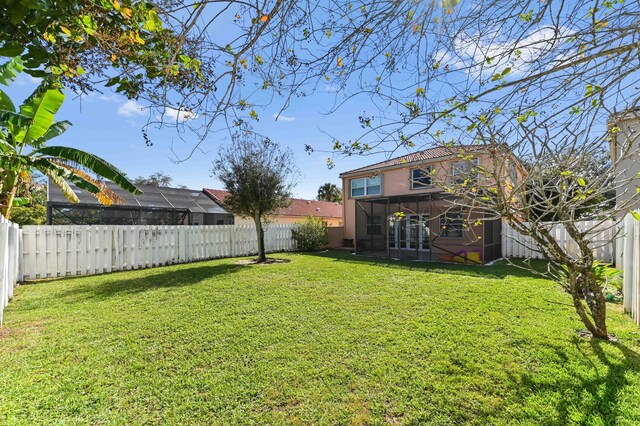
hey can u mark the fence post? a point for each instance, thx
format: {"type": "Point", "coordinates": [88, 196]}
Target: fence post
{"type": "Point", "coordinates": [636, 272]}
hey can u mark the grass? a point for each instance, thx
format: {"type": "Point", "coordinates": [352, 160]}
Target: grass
{"type": "Point", "coordinates": [322, 339]}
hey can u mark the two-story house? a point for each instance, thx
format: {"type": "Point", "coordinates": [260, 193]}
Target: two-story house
{"type": "Point", "coordinates": [395, 209]}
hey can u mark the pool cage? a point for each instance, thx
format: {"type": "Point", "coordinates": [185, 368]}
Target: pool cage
{"type": "Point", "coordinates": [425, 227]}
{"type": "Point", "coordinates": [155, 206]}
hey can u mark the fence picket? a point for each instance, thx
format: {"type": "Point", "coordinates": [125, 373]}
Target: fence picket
{"type": "Point", "coordinates": [521, 246]}
{"type": "Point", "coordinates": [58, 251]}
{"type": "Point", "coordinates": [10, 261]}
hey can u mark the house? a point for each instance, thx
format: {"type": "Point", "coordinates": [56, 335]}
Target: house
{"type": "Point", "coordinates": [625, 155]}
{"type": "Point", "coordinates": [297, 211]}
{"type": "Point", "coordinates": [394, 209]}
{"type": "Point", "coordinates": [157, 205]}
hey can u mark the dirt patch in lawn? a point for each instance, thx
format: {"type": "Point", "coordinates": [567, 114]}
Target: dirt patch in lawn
{"type": "Point", "coordinates": [269, 261]}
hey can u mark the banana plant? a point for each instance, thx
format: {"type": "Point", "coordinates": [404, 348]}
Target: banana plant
{"type": "Point", "coordinates": [24, 132]}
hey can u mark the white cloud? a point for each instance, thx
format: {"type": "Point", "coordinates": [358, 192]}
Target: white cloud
{"type": "Point", "coordinates": [469, 51]}
{"type": "Point", "coordinates": [179, 115]}
{"type": "Point", "coordinates": [110, 98]}
{"type": "Point", "coordinates": [282, 117]}
{"type": "Point", "coordinates": [330, 88]}
{"type": "Point", "coordinates": [131, 109]}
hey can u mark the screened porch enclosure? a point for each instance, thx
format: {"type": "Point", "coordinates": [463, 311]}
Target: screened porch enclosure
{"type": "Point", "coordinates": [155, 206]}
{"type": "Point", "coordinates": [424, 227]}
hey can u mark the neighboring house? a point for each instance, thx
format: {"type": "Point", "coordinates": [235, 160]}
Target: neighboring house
{"type": "Point", "coordinates": [156, 205]}
{"type": "Point", "coordinates": [297, 211]}
{"type": "Point", "coordinates": [626, 145]}
{"type": "Point", "coordinates": [393, 209]}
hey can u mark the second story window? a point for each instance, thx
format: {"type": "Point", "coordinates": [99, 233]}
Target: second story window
{"type": "Point", "coordinates": [366, 186]}
{"type": "Point", "coordinates": [465, 172]}
{"type": "Point", "coordinates": [422, 177]}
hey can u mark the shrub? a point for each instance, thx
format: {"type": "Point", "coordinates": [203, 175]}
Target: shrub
{"type": "Point", "coordinates": [312, 234]}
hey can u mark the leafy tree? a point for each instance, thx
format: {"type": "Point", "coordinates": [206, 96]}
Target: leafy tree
{"type": "Point", "coordinates": [330, 192]}
{"type": "Point", "coordinates": [23, 136]}
{"type": "Point", "coordinates": [30, 214]}
{"type": "Point", "coordinates": [259, 176]}
{"type": "Point", "coordinates": [156, 179]}
{"type": "Point", "coordinates": [84, 42]}
{"type": "Point", "coordinates": [34, 211]}
{"type": "Point", "coordinates": [552, 182]}
{"type": "Point", "coordinates": [567, 192]}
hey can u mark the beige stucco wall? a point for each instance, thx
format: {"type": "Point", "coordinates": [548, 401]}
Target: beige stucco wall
{"type": "Point", "coordinates": [336, 234]}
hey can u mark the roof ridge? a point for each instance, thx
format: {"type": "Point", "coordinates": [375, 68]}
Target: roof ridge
{"type": "Point", "coordinates": [422, 151]}
{"type": "Point", "coordinates": [292, 198]}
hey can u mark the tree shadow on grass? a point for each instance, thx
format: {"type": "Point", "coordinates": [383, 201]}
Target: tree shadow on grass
{"type": "Point", "coordinates": [592, 395]}
{"type": "Point", "coordinates": [149, 279]}
{"type": "Point", "coordinates": [496, 271]}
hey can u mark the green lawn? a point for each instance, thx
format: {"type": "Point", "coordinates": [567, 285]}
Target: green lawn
{"type": "Point", "coordinates": [322, 339]}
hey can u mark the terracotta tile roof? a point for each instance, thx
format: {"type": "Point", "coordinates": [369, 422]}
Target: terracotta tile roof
{"type": "Point", "coordinates": [415, 157]}
{"type": "Point", "coordinates": [298, 207]}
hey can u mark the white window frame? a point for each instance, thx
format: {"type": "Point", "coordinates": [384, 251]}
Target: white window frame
{"type": "Point", "coordinates": [366, 186]}
{"type": "Point", "coordinates": [428, 170]}
{"type": "Point", "coordinates": [461, 168]}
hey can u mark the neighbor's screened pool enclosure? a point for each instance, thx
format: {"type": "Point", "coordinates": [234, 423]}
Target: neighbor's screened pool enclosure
{"type": "Point", "coordinates": [425, 227]}
{"type": "Point", "coordinates": [155, 206]}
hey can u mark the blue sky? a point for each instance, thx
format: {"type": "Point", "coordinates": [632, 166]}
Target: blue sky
{"type": "Point", "coordinates": [110, 126]}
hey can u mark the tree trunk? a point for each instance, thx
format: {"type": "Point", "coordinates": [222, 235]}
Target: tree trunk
{"type": "Point", "coordinates": [585, 287]}
{"type": "Point", "coordinates": [262, 255]}
{"type": "Point", "coordinates": [6, 201]}
{"type": "Point", "coordinates": [589, 292]}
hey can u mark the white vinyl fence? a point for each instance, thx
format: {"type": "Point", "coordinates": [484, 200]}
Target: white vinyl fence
{"type": "Point", "coordinates": [10, 251]}
{"type": "Point", "coordinates": [520, 246]}
{"type": "Point", "coordinates": [61, 251]}
{"type": "Point", "coordinates": [630, 248]}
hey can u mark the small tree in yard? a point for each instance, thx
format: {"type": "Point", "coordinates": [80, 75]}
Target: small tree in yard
{"type": "Point", "coordinates": [259, 176]}
{"type": "Point", "coordinates": [312, 234]}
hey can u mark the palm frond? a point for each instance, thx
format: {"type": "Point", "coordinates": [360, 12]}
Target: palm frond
{"type": "Point", "coordinates": [47, 164]}
{"type": "Point", "coordinates": [58, 181]}
{"type": "Point", "coordinates": [55, 130]}
{"type": "Point", "coordinates": [5, 102]}
{"type": "Point", "coordinates": [106, 196]}
{"type": "Point", "coordinates": [5, 146]}
{"type": "Point", "coordinates": [92, 162]}
{"type": "Point", "coordinates": [10, 70]}
{"type": "Point", "coordinates": [13, 122]}
{"type": "Point", "coordinates": [44, 113]}
{"type": "Point", "coordinates": [30, 105]}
